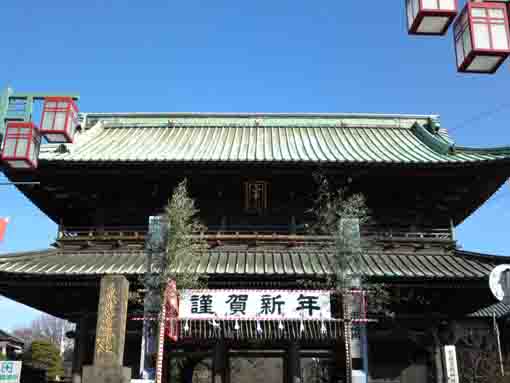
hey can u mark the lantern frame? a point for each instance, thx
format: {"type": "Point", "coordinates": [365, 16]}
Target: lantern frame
{"type": "Point", "coordinates": [70, 110]}
{"type": "Point", "coordinates": [475, 52]}
{"type": "Point", "coordinates": [33, 142]}
{"type": "Point", "coordinates": [423, 12]}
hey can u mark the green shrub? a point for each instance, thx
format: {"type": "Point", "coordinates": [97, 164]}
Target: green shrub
{"type": "Point", "coordinates": [43, 354]}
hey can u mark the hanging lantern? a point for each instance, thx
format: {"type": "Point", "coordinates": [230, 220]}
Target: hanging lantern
{"type": "Point", "coordinates": [430, 17]}
{"type": "Point", "coordinates": [3, 227]}
{"type": "Point", "coordinates": [21, 145]}
{"type": "Point", "coordinates": [59, 119]}
{"type": "Point", "coordinates": [481, 37]}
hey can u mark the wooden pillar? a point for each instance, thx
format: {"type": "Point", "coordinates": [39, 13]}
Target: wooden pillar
{"type": "Point", "coordinates": [438, 354]}
{"type": "Point", "coordinates": [293, 364]}
{"type": "Point", "coordinates": [220, 363]}
{"type": "Point", "coordinates": [188, 369]}
{"type": "Point", "coordinates": [167, 369]}
{"type": "Point", "coordinates": [80, 347]}
{"type": "Point", "coordinates": [83, 341]}
{"type": "Point", "coordinates": [438, 362]}
{"type": "Point", "coordinates": [338, 373]}
{"type": "Point", "coordinates": [75, 370]}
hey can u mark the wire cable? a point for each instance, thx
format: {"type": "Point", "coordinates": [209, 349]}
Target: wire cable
{"type": "Point", "coordinates": [480, 116]}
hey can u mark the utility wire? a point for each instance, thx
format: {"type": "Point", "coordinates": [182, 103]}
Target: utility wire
{"type": "Point", "coordinates": [480, 116]}
{"type": "Point", "coordinates": [19, 183]}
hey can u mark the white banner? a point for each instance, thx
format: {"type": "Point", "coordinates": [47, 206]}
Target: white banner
{"type": "Point", "coordinates": [255, 304]}
{"type": "Point", "coordinates": [10, 371]}
{"type": "Point", "coordinates": [452, 372]}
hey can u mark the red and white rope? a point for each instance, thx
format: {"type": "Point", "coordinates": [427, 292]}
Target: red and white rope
{"type": "Point", "coordinates": [161, 346]}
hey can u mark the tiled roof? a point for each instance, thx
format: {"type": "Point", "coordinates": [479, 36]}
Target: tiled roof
{"type": "Point", "coordinates": [265, 138]}
{"type": "Point", "coordinates": [4, 336]}
{"type": "Point", "coordinates": [301, 262]}
{"type": "Point", "coordinates": [500, 309]}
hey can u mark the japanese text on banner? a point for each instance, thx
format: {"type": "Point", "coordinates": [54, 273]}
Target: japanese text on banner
{"type": "Point", "coordinates": [251, 304]}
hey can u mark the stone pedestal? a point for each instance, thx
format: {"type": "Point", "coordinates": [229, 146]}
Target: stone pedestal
{"type": "Point", "coordinates": [111, 320]}
{"type": "Point", "coordinates": [106, 374]}
{"type": "Point", "coordinates": [110, 334]}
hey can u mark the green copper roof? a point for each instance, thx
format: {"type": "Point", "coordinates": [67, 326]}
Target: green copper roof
{"type": "Point", "coordinates": [300, 262]}
{"type": "Point", "coordinates": [251, 138]}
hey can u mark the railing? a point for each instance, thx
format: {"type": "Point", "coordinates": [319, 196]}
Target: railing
{"type": "Point", "coordinates": [247, 232]}
{"type": "Point", "coordinates": [98, 233]}
{"type": "Point", "coordinates": [403, 233]}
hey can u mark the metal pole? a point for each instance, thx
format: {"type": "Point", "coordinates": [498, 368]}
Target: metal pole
{"type": "Point", "coordinates": [142, 349]}
{"type": "Point", "coordinates": [4, 106]}
{"type": "Point", "coordinates": [496, 329]}
{"type": "Point", "coordinates": [452, 230]}
{"type": "Point", "coordinates": [364, 345]}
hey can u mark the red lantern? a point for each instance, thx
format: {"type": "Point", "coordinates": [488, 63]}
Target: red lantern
{"type": "Point", "coordinates": [481, 37]}
{"type": "Point", "coordinates": [21, 145]}
{"type": "Point", "coordinates": [3, 227]}
{"type": "Point", "coordinates": [430, 17]}
{"type": "Point", "coordinates": [59, 119]}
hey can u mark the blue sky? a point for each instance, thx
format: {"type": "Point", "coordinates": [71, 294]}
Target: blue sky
{"type": "Point", "coordinates": [259, 56]}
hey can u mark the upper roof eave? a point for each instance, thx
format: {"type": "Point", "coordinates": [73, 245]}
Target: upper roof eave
{"type": "Point", "coordinates": [371, 139]}
{"type": "Point", "coordinates": [259, 114]}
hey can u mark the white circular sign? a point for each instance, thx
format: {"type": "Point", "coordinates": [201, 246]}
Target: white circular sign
{"type": "Point", "coordinates": [495, 281]}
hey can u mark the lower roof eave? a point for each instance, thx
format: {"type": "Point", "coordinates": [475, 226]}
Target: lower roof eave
{"type": "Point", "coordinates": [228, 264]}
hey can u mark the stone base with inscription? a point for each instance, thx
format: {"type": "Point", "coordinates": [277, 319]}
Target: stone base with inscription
{"type": "Point", "coordinates": [106, 374]}
{"type": "Point", "coordinates": [110, 334]}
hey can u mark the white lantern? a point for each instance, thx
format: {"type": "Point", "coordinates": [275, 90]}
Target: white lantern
{"type": "Point", "coordinates": [430, 17]}
{"type": "Point", "coordinates": [59, 119]}
{"type": "Point", "coordinates": [481, 37]}
{"type": "Point", "coordinates": [21, 145]}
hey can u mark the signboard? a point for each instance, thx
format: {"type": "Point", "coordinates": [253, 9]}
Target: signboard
{"type": "Point", "coordinates": [10, 371]}
{"type": "Point", "coordinates": [499, 283]}
{"type": "Point", "coordinates": [255, 304]}
{"type": "Point", "coordinates": [452, 371]}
